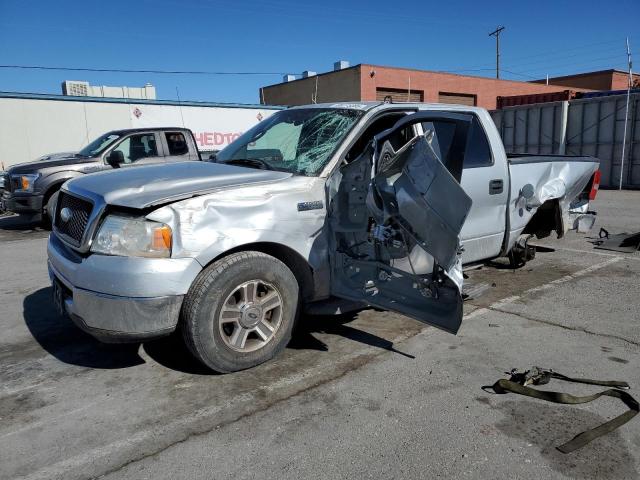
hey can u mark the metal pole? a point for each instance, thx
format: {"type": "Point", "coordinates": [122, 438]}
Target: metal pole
{"type": "Point", "coordinates": [180, 105]}
{"type": "Point", "coordinates": [564, 117]}
{"type": "Point", "coordinates": [496, 33]}
{"type": "Point", "coordinates": [498, 56]}
{"type": "Point", "coordinates": [626, 115]}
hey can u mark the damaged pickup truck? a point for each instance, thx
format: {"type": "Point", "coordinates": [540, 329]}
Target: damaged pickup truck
{"type": "Point", "coordinates": [315, 209]}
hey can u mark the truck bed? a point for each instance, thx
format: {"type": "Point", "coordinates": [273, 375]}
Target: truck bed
{"type": "Point", "coordinates": [558, 178]}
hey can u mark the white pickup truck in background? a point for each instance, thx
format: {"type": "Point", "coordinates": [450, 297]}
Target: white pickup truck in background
{"type": "Point", "coordinates": [372, 203]}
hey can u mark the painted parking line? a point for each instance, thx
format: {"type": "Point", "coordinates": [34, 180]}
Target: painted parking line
{"type": "Point", "coordinates": [567, 278]}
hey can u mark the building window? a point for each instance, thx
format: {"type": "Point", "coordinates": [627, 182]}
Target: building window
{"type": "Point", "coordinates": [399, 95]}
{"type": "Point", "coordinates": [458, 98]}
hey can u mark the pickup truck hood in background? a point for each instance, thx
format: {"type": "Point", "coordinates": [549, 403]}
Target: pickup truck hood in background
{"type": "Point", "coordinates": [152, 185]}
{"type": "Point", "coordinates": [48, 161]}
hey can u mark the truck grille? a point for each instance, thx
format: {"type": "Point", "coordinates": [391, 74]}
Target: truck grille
{"type": "Point", "coordinates": [5, 183]}
{"type": "Point", "coordinates": [75, 226]}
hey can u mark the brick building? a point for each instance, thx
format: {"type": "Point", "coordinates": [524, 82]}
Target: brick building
{"type": "Point", "coordinates": [365, 82]}
{"type": "Point", "coordinates": [600, 80]}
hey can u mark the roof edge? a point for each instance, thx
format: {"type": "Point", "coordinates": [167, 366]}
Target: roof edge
{"type": "Point", "coordinates": [133, 101]}
{"type": "Point", "coordinates": [316, 75]}
{"type": "Point", "coordinates": [444, 72]}
{"type": "Point", "coordinates": [584, 74]}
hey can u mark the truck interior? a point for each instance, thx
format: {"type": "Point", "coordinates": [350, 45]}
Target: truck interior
{"type": "Point", "coordinates": [395, 235]}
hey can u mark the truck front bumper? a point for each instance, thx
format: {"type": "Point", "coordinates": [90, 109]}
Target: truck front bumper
{"type": "Point", "coordinates": [119, 299]}
{"type": "Point", "coordinates": [22, 203]}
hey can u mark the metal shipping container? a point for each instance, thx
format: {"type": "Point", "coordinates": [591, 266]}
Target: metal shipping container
{"type": "Point", "coordinates": [587, 126]}
{"type": "Point", "coordinates": [515, 100]}
{"type": "Point", "coordinates": [537, 128]}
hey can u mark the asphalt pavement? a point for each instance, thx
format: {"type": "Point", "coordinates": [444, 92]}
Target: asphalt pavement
{"type": "Point", "coordinates": [368, 395]}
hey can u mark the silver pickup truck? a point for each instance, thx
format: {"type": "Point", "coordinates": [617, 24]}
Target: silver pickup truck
{"type": "Point", "coordinates": [317, 208]}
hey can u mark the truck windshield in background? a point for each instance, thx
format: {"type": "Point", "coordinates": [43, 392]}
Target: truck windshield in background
{"type": "Point", "coordinates": [299, 141]}
{"type": "Point", "coordinates": [99, 145]}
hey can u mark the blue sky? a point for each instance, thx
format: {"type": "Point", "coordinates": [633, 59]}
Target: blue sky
{"type": "Point", "coordinates": [554, 37]}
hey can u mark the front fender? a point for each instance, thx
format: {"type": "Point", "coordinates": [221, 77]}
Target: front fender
{"type": "Point", "coordinates": [56, 180]}
{"type": "Point", "coordinates": [206, 227]}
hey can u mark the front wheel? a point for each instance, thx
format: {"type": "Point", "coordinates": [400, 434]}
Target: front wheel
{"type": "Point", "coordinates": [49, 210]}
{"type": "Point", "coordinates": [240, 311]}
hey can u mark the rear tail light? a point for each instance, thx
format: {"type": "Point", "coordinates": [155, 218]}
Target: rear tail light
{"type": "Point", "coordinates": [595, 185]}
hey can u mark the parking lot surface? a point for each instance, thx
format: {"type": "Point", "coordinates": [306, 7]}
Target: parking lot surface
{"type": "Point", "coordinates": [372, 394]}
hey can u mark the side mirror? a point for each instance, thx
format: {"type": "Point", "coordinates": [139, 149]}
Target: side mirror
{"type": "Point", "coordinates": [115, 158]}
{"type": "Point", "coordinates": [213, 157]}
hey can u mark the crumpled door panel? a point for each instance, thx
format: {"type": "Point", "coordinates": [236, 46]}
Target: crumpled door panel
{"type": "Point", "coordinates": [378, 224]}
{"type": "Point", "coordinates": [418, 191]}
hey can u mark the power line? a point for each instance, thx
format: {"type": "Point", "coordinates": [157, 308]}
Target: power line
{"type": "Point", "coordinates": [564, 50]}
{"type": "Point", "coordinates": [555, 53]}
{"type": "Point", "coordinates": [523, 75]}
{"type": "Point", "coordinates": [122, 70]}
{"type": "Point", "coordinates": [554, 67]}
{"type": "Point", "coordinates": [555, 58]}
{"type": "Point", "coordinates": [543, 67]}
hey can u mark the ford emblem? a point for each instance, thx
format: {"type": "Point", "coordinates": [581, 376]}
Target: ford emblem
{"type": "Point", "coordinates": [65, 214]}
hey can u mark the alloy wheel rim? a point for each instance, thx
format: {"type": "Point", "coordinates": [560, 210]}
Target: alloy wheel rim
{"type": "Point", "coordinates": [250, 316]}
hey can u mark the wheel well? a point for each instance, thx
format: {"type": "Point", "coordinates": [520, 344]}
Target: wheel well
{"type": "Point", "coordinates": [547, 218]}
{"type": "Point", "coordinates": [292, 259]}
{"type": "Point", "coordinates": [50, 191]}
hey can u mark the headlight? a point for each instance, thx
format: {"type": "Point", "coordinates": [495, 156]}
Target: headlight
{"type": "Point", "coordinates": [25, 183]}
{"type": "Point", "coordinates": [133, 237]}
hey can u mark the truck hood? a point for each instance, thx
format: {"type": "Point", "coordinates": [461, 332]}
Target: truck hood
{"type": "Point", "coordinates": [48, 161]}
{"type": "Point", "coordinates": [153, 185]}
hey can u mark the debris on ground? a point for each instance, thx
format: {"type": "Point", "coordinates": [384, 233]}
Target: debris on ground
{"type": "Point", "coordinates": [518, 383]}
{"type": "Point", "coordinates": [621, 242]}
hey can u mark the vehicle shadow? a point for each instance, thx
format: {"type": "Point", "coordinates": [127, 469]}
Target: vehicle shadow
{"type": "Point", "coordinates": [61, 338]}
{"type": "Point", "coordinates": [171, 352]}
{"type": "Point", "coordinates": [304, 339]}
{"type": "Point", "coordinates": [20, 224]}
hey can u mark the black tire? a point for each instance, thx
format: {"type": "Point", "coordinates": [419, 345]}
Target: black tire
{"type": "Point", "coordinates": [200, 320]}
{"type": "Point", "coordinates": [47, 214]}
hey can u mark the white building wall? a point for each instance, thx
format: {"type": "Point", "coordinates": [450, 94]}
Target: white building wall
{"type": "Point", "coordinates": [31, 128]}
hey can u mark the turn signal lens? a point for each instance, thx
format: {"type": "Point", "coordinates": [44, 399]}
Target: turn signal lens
{"type": "Point", "coordinates": [25, 183]}
{"type": "Point", "coordinates": [161, 238]}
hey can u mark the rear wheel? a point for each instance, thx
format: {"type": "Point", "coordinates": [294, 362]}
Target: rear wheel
{"type": "Point", "coordinates": [240, 311]}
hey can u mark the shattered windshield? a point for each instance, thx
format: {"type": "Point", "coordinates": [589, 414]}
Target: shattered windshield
{"type": "Point", "coordinates": [98, 145]}
{"type": "Point", "coordinates": [299, 141]}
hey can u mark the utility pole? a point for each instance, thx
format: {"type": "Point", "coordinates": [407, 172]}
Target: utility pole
{"type": "Point", "coordinates": [496, 33]}
{"type": "Point", "coordinates": [626, 114]}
